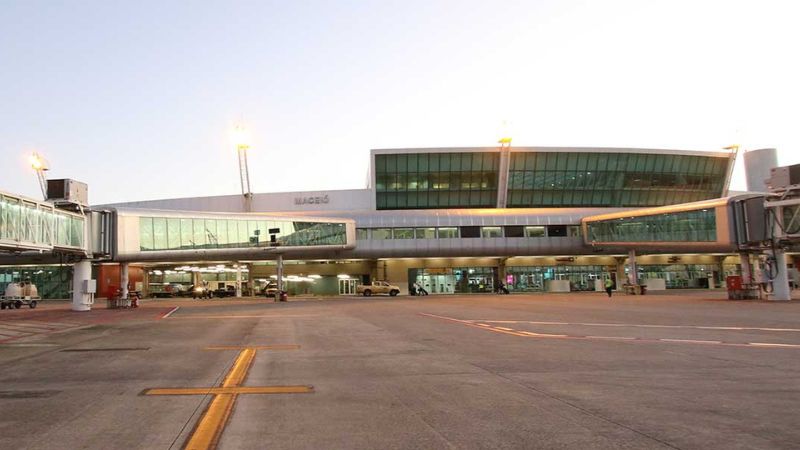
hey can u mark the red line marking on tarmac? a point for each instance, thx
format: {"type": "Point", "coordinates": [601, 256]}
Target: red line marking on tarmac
{"type": "Point", "coordinates": [25, 326]}
{"type": "Point", "coordinates": [529, 334]}
{"type": "Point", "coordinates": [170, 312]}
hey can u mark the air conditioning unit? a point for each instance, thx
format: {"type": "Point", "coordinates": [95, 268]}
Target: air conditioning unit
{"type": "Point", "coordinates": [67, 192]}
{"type": "Point", "coordinates": [783, 177]}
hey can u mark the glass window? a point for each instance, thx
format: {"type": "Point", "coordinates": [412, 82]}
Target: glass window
{"type": "Point", "coordinates": [691, 226]}
{"type": "Point", "coordinates": [425, 233]}
{"type": "Point", "coordinates": [381, 233]}
{"type": "Point", "coordinates": [470, 232]}
{"type": "Point", "coordinates": [222, 233]}
{"type": "Point", "coordinates": [514, 231]}
{"type": "Point", "coordinates": [199, 233]}
{"type": "Point", "coordinates": [574, 231]}
{"type": "Point", "coordinates": [361, 234]}
{"type": "Point", "coordinates": [145, 233]}
{"type": "Point", "coordinates": [491, 232]}
{"type": "Point", "coordinates": [403, 233]}
{"type": "Point", "coordinates": [173, 234]}
{"type": "Point", "coordinates": [187, 234]}
{"type": "Point", "coordinates": [160, 233]}
{"type": "Point", "coordinates": [447, 232]}
{"type": "Point", "coordinates": [409, 183]}
{"type": "Point", "coordinates": [534, 231]}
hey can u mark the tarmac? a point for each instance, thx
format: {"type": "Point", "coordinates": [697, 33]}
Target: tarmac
{"type": "Point", "coordinates": [682, 370]}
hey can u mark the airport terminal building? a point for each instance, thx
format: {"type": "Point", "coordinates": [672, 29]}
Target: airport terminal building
{"type": "Point", "coordinates": [453, 220]}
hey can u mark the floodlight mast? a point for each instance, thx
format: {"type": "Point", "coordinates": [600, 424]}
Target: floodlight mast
{"type": "Point", "coordinates": [39, 166]}
{"type": "Point", "coordinates": [244, 173]}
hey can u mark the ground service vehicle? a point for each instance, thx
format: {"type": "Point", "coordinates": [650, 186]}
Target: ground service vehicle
{"type": "Point", "coordinates": [270, 289]}
{"type": "Point", "coordinates": [18, 294]}
{"type": "Point", "coordinates": [200, 292]}
{"type": "Point", "coordinates": [377, 287]}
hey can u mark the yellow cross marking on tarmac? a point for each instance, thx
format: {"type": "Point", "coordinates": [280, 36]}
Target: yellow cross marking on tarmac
{"type": "Point", "coordinates": [209, 429]}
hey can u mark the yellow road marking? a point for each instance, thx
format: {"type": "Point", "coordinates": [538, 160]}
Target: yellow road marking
{"type": "Point", "coordinates": [528, 334]}
{"type": "Point", "coordinates": [240, 367]}
{"type": "Point", "coordinates": [212, 423]}
{"type": "Point", "coordinates": [301, 389]}
{"type": "Point", "coordinates": [255, 347]}
{"type": "Point", "coordinates": [208, 431]}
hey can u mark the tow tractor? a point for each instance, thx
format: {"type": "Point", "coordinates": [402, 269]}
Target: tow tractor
{"type": "Point", "coordinates": [18, 294]}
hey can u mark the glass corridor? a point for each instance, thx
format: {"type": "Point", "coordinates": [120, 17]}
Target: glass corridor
{"type": "Point", "coordinates": [685, 226]}
{"type": "Point", "coordinates": [30, 224]}
{"type": "Point", "coordinates": [161, 233]}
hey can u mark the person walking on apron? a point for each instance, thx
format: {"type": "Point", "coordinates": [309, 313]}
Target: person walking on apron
{"type": "Point", "coordinates": [609, 286]}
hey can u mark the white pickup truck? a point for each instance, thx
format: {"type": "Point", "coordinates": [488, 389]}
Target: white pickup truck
{"type": "Point", "coordinates": [377, 287]}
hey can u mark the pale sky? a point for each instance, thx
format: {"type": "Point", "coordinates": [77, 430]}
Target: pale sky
{"type": "Point", "coordinates": [137, 99]}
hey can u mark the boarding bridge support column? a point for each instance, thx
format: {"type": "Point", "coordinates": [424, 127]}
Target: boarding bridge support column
{"type": "Point", "coordinates": [279, 271]}
{"type": "Point", "coordinates": [81, 300]}
{"type": "Point", "coordinates": [238, 280]}
{"type": "Point", "coordinates": [633, 274]}
{"type": "Point", "coordinates": [780, 284]}
{"type": "Point", "coordinates": [123, 280]}
{"type": "Point", "coordinates": [744, 261]}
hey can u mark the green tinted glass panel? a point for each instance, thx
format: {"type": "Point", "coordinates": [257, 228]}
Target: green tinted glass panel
{"type": "Point", "coordinates": [436, 180]}
{"type": "Point", "coordinates": [170, 234]}
{"type": "Point", "coordinates": [687, 226]}
{"type": "Point", "coordinates": [575, 179]}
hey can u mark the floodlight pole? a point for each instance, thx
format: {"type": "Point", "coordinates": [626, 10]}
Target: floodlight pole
{"type": "Point", "coordinates": [39, 166]}
{"type": "Point", "coordinates": [244, 176]}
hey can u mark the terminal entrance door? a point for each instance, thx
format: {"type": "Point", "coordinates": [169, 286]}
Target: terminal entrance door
{"type": "Point", "coordinates": [437, 284]}
{"type": "Point", "coordinates": [347, 287]}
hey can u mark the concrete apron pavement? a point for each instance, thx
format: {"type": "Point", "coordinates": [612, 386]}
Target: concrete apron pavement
{"type": "Point", "coordinates": [414, 373]}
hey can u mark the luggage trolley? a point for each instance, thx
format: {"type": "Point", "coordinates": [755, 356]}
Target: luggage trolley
{"type": "Point", "coordinates": [18, 294]}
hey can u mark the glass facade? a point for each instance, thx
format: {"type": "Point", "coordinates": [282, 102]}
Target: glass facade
{"type": "Point", "coordinates": [686, 226]}
{"type": "Point", "coordinates": [52, 282]}
{"type": "Point", "coordinates": [487, 232]}
{"type": "Point", "coordinates": [38, 224]}
{"type": "Point", "coordinates": [535, 278]}
{"type": "Point", "coordinates": [564, 179]}
{"type": "Point", "coordinates": [436, 180]}
{"type": "Point", "coordinates": [158, 233]}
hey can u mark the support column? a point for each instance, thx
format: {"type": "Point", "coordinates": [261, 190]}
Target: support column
{"type": "Point", "coordinates": [780, 284]}
{"type": "Point", "coordinates": [744, 260]}
{"type": "Point", "coordinates": [721, 268]}
{"type": "Point", "coordinates": [633, 273]}
{"type": "Point", "coordinates": [501, 269]}
{"type": "Point", "coordinates": [145, 282]}
{"type": "Point", "coordinates": [81, 301]}
{"type": "Point", "coordinates": [123, 280]}
{"type": "Point", "coordinates": [502, 181]}
{"type": "Point", "coordinates": [280, 276]}
{"type": "Point", "coordinates": [620, 272]}
{"type": "Point", "coordinates": [238, 280]}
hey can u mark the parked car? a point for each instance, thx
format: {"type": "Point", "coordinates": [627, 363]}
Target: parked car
{"type": "Point", "coordinates": [172, 290]}
{"type": "Point", "coordinates": [377, 287]}
{"type": "Point", "coordinates": [227, 291]}
{"type": "Point", "coordinates": [270, 289]}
